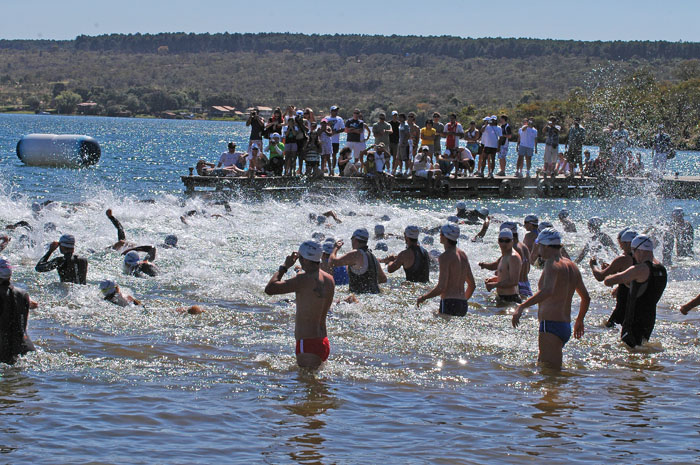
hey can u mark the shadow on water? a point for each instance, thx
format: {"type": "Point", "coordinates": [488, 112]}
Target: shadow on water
{"type": "Point", "coordinates": [15, 390]}
{"type": "Point", "coordinates": [554, 410]}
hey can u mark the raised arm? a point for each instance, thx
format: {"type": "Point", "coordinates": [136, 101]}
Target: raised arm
{"type": "Point", "coordinates": [121, 236]}
{"type": "Point", "coordinates": [485, 227]}
{"type": "Point", "coordinates": [277, 285]}
{"type": "Point", "coordinates": [690, 305]}
{"type": "Point", "coordinates": [44, 263]}
{"type": "Point", "coordinates": [638, 272]}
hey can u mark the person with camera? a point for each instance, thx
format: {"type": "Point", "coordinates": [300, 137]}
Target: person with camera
{"type": "Point", "coordinates": [257, 126]}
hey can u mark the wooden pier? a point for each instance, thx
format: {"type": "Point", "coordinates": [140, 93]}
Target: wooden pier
{"type": "Point", "coordinates": [462, 187]}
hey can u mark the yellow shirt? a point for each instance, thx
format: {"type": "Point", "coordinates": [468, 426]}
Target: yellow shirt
{"type": "Point", "coordinates": [427, 136]}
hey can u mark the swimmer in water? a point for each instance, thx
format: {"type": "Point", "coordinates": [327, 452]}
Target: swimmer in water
{"type": "Point", "coordinates": [339, 273]}
{"type": "Point", "coordinates": [191, 310]}
{"type": "Point", "coordinates": [620, 263]}
{"type": "Point", "coordinates": [4, 241]}
{"type": "Point", "coordinates": [414, 259]}
{"type": "Point", "coordinates": [530, 224]}
{"type": "Point", "coordinates": [566, 223]}
{"type": "Point", "coordinates": [19, 224]}
{"type": "Point", "coordinates": [133, 265]}
{"type": "Point", "coordinates": [314, 289]}
{"type": "Point", "coordinates": [560, 279]}
{"type": "Point", "coordinates": [364, 270]}
{"type": "Point", "coordinates": [111, 292]}
{"type": "Point", "coordinates": [121, 243]}
{"type": "Point", "coordinates": [329, 214]}
{"type": "Point", "coordinates": [455, 272]}
{"type": "Point", "coordinates": [71, 268]}
{"type": "Point", "coordinates": [507, 271]}
{"type": "Point", "coordinates": [535, 256]}
{"type": "Point", "coordinates": [14, 314]}
{"type": "Point", "coordinates": [599, 238]}
{"type": "Point", "coordinates": [524, 253]}
{"type": "Point", "coordinates": [687, 307]}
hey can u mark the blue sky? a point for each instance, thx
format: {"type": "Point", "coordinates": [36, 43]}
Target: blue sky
{"type": "Point", "coordinates": [582, 20]}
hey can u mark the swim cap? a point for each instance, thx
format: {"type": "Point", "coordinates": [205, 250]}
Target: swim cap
{"type": "Point", "coordinates": [171, 240]}
{"type": "Point", "coordinates": [453, 219]}
{"type": "Point", "coordinates": [394, 112]}
{"type": "Point", "coordinates": [311, 251]}
{"type": "Point", "coordinates": [36, 207]}
{"type": "Point", "coordinates": [461, 206]}
{"type": "Point", "coordinates": [379, 230]}
{"type": "Point", "coordinates": [678, 211]}
{"type": "Point", "coordinates": [564, 213]}
{"type": "Point", "coordinates": [361, 235]}
{"type": "Point", "coordinates": [425, 148]}
{"type": "Point", "coordinates": [549, 236]}
{"type": "Point", "coordinates": [450, 231]}
{"type": "Point", "coordinates": [412, 232]}
{"type": "Point", "coordinates": [300, 113]}
{"type": "Point", "coordinates": [318, 236]}
{"type": "Point", "coordinates": [627, 235]}
{"type": "Point", "coordinates": [510, 225]}
{"type": "Point", "coordinates": [274, 136]}
{"type": "Point", "coordinates": [642, 242]}
{"type": "Point", "coordinates": [505, 233]}
{"type": "Point", "coordinates": [595, 222]}
{"type": "Point", "coordinates": [67, 241]}
{"type": "Point", "coordinates": [132, 259]}
{"type": "Point", "coordinates": [108, 287]}
{"type": "Point", "coordinates": [381, 246]}
{"type": "Point", "coordinates": [385, 218]}
{"type": "Point", "coordinates": [5, 269]}
{"type": "Point", "coordinates": [49, 227]}
{"type": "Point", "coordinates": [532, 219]}
{"type": "Point", "coordinates": [434, 253]}
{"type": "Point", "coordinates": [428, 240]}
{"type": "Point", "coordinates": [328, 247]}
{"type": "Point", "coordinates": [484, 212]}
{"type": "Point", "coordinates": [544, 225]}
{"type": "Point", "coordinates": [320, 219]}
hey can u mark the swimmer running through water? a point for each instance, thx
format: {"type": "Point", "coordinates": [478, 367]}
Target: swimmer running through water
{"type": "Point", "coordinates": [14, 314]}
{"type": "Point", "coordinates": [507, 270]}
{"type": "Point", "coordinates": [314, 289]}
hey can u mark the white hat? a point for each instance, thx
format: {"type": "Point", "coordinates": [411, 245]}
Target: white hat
{"type": "Point", "coordinates": [361, 235]}
{"type": "Point", "coordinates": [505, 233]}
{"type": "Point", "coordinates": [254, 146]}
{"type": "Point", "coordinates": [311, 251]}
{"type": "Point", "coordinates": [448, 152]}
{"type": "Point", "coordinates": [424, 148]}
{"type": "Point", "coordinates": [678, 211]}
{"type": "Point", "coordinates": [274, 136]}
{"type": "Point", "coordinates": [328, 246]}
{"type": "Point", "coordinates": [300, 113]}
{"type": "Point", "coordinates": [381, 246]}
{"type": "Point", "coordinates": [461, 205]}
{"type": "Point", "coordinates": [394, 113]}
{"type": "Point", "coordinates": [67, 241]}
{"type": "Point", "coordinates": [510, 225]}
{"type": "Point", "coordinates": [549, 236]}
{"type": "Point", "coordinates": [412, 232]}
{"type": "Point", "coordinates": [450, 231]}
{"type": "Point", "coordinates": [642, 242]}
{"type": "Point", "coordinates": [334, 107]}
{"type": "Point", "coordinates": [132, 259]}
{"type": "Point", "coordinates": [318, 236]}
{"type": "Point", "coordinates": [487, 118]}
{"type": "Point", "coordinates": [627, 235]}
{"type": "Point", "coordinates": [544, 225]}
{"type": "Point", "coordinates": [494, 117]}
{"type": "Point", "coordinates": [108, 287]}
{"type": "Point", "coordinates": [5, 269]}
{"type": "Point", "coordinates": [483, 211]}
{"type": "Point", "coordinates": [532, 219]}
{"type": "Point", "coordinates": [379, 230]}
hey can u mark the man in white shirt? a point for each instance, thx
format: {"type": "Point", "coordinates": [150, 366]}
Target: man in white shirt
{"type": "Point", "coordinates": [337, 124]}
{"type": "Point", "coordinates": [230, 158]}
{"type": "Point", "coordinates": [492, 132]}
{"type": "Point", "coordinates": [527, 145]}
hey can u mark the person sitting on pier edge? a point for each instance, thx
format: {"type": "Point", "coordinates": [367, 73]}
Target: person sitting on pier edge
{"type": "Point", "coordinates": [414, 259]}
{"type": "Point", "coordinates": [133, 265]}
{"type": "Point", "coordinates": [14, 314]}
{"type": "Point", "coordinates": [647, 282]}
{"type": "Point", "coordinates": [275, 165]}
{"type": "Point", "coordinates": [364, 269]}
{"type": "Point", "coordinates": [71, 268]}
{"type": "Point", "coordinates": [231, 158]}
{"type": "Point", "coordinates": [339, 273]}
{"type": "Point", "coordinates": [423, 168]}
{"type": "Point", "coordinates": [447, 161]}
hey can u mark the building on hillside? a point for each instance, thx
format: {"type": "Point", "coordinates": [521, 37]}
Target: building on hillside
{"type": "Point", "coordinates": [221, 110]}
{"type": "Point", "coordinates": [265, 112]}
{"type": "Point", "coordinates": [87, 108]}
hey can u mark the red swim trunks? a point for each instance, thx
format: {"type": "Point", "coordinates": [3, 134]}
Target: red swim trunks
{"type": "Point", "coordinates": [314, 345]}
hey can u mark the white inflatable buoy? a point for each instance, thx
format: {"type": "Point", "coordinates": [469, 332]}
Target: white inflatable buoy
{"type": "Point", "coordinates": [65, 150]}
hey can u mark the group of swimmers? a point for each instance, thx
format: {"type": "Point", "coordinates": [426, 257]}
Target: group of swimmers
{"type": "Point", "coordinates": [639, 277]}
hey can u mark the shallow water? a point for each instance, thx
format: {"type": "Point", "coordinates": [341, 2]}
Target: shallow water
{"type": "Point", "coordinates": [111, 385]}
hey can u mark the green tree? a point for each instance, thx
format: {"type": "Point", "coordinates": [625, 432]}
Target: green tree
{"type": "Point", "coordinates": [66, 102]}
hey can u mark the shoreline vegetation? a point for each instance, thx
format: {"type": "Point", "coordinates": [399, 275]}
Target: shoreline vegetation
{"type": "Point", "coordinates": [183, 76]}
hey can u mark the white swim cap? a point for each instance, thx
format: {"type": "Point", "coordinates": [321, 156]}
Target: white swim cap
{"type": "Point", "coordinates": [67, 241]}
{"type": "Point", "coordinates": [549, 236]}
{"type": "Point", "coordinates": [595, 222]}
{"type": "Point", "coordinates": [412, 232]}
{"type": "Point", "coordinates": [453, 219]}
{"type": "Point", "coordinates": [274, 136]}
{"type": "Point", "coordinates": [510, 225]}
{"type": "Point", "coordinates": [379, 230]}
{"type": "Point", "coordinates": [450, 231]}
{"type": "Point", "coordinates": [311, 251]}
{"type": "Point", "coordinates": [564, 213]}
{"type": "Point", "coordinates": [171, 240]}
{"type": "Point", "coordinates": [461, 206]}
{"type": "Point", "coordinates": [544, 225]}
{"type": "Point", "coordinates": [381, 246]}
{"type": "Point", "coordinates": [505, 233]}
{"type": "Point", "coordinates": [628, 236]}
{"type": "Point", "coordinates": [132, 259]}
{"type": "Point", "coordinates": [5, 269]}
{"type": "Point", "coordinates": [428, 240]}
{"type": "Point", "coordinates": [328, 247]}
{"type": "Point", "coordinates": [361, 235]}
{"type": "Point", "coordinates": [483, 211]}
{"type": "Point", "coordinates": [678, 211]}
{"type": "Point", "coordinates": [642, 242]}
{"type": "Point", "coordinates": [532, 219]}
{"type": "Point", "coordinates": [108, 287]}
{"type": "Point", "coordinates": [318, 236]}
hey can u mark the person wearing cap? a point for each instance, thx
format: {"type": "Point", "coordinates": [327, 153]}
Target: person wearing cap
{"type": "Point", "coordinates": [558, 282]}
{"type": "Point", "coordinates": [682, 233]}
{"type": "Point", "coordinates": [339, 273]}
{"type": "Point", "coordinates": [355, 127]}
{"type": "Point", "coordinates": [661, 149]}
{"type": "Point", "coordinates": [620, 263]}
{"type": "Point", "coordinates": [379, 232]}
{"type": "Point", "coordinates": [364, 269]}
{"type": "Point", "coordinates": [535, 255]}
{"type": "Point", "coordinates": [503, 142]}
{"type": "Point", "coordinates": [647, 280]}
{"type": "Point", "coordinates": [567, 224]}
{"type": "Point", "coordinates": [337, 125]}
{"type": "Point", "coordinates": [524, 252]}
{"type": "Point", "coordinates": [598, 241]}
{"type": "Point", "coordinates": [507, 269]}
{"type": "Point", "coordinates": [527, 146]}
{"type": "Point", "coordinates": [230, 158]}
{"type": "Point", "coordinates": [135, 266]}
{"type": "Point", "coordinates": [257, 127]}
{"type": "Point", "coordinates": [293, 136]}
{"type": "Point", "coordinates": [14, 315]}
{"type": "Point", "coordinates": [382, 132]}
{"type": "Point", "coordinates": [423, 168]}
{"type": "Point", "coordinates": [275, 164]}
{"type": "Point", "coordinates": [454, 273]}
{"type": "Point", "coordinates": [394, 139]}
{"type": "Point", "coordinates": [452, 133]}
{"type": "Point", "coordinates": [574, 146]}
{"type": "Point", "coordinates": [551, 145]}
{"type": "Point", "coordinates": [113, 294]}
{"type": "Point", "coordinates": [490, 136]}
{"type": "Point", "coordinates": [314, 290]}
{"type": "Point", "coordinates": [71, 268]}
{"type": "Point", "coordinates": [414, 259]}
{"type": "Point", "coordinates": [530, 224]}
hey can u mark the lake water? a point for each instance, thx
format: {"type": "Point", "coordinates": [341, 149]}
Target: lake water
{"type": "Point", "coordinates": [112, 385]}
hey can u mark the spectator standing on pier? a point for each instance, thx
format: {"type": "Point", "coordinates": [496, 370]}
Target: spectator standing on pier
{"type": "Point", "coordinates": [415, 134]}
{"type": "Point", "coordinates": [337, 125]}
{"type": "Point", "coordinates": [490, 137]}
{"type": "Point", "coordinates": [439, 129]}
{"type": "Point", "coordinates": [354, 127]}
{"type": "Point", "coordinates": [394, 139]}
{"type": "Point", "coordinates": [551, 147]}
{"type": "Point", "coordinates": [621, 143]}
{"type": "Point", "coordinates": [661, 150]}
{"type": "Point", "coordinates": [453, 132]}
{"type": "Point", "coordinates": [274, 124]}
{"type": "Point", "coordinates": [472, 137]}
{"type": "Point", "coordinates": [325, 135]}
{"type": "Point", "coordinates": [382, 132]}
{"type": "Point", "coordinates": [527, 145]}
{"type": "Point", "coordinates": [257, 126]}
{"type": "Point", "coordinates": [574, 146]}
{"type": "Point", "coordinates": [427, 137]}
{"type": "Point", "coordinates": [404, 157]}
{"type": "Point", "coordinates": [503, 142]}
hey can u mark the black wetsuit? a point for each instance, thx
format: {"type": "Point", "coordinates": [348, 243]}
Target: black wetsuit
{"type": "Point", "coordinates": [622, 295]}
{"type": "Point", "coordinates": [640, 316]}
{"type": "Point", "coordinates": [148, 268]}
{"type": "Point", "coordinates": [367, 282]}
{"type": "Point", "coordinates": [121, 236]}
{"type": "Point", "coordinates": [71, 268]}
{"type": "Point", "coordinates": [470, 217]}
{"type": "Point", "coordinates": [419, 272]}
{"type": "Point", "coordinates": [14, 312]}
